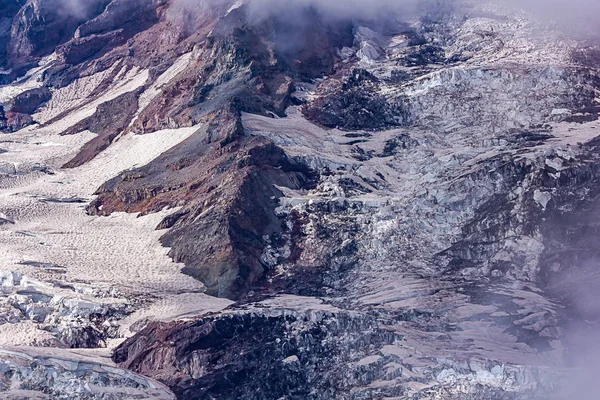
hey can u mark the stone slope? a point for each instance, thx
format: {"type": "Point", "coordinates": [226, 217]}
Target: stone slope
{"type": "Point", "coordinates": [437, 225]}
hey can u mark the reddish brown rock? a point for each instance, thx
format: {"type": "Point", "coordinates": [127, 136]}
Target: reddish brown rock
{"type": "Point", "coordinates": [12, 122]}
{"type": "Point", "coordinates": [225, 181]}
{"type": "Point", "coordinates": [109, 120]}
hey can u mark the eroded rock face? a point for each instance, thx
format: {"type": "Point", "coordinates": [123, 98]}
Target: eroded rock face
{"type": "Point", "coordinates": [8, 9]}
{"type": "Point", "coordinates": [29, 101]}
{"type": "Point", "coordinates": [312, 350]}
{"type": "Point", "coordinates": [11, 121]}
{"type": "Point", "coordinates": [3, 120]}
{"type": "Point", "coordinates": [299, 347]}
{"type": "Point", "coordinates": [41, 25]}
{"type": "Point", "coordinates": [108, 121]}
{"type": "Point", "coordinates": [120, 21]}
{"type": "Point", "coordinates": [131, 16]}
{"type": "Point", "coordinates": [227, 183]}
{"type": "Point", "coordinates": [355, 105]}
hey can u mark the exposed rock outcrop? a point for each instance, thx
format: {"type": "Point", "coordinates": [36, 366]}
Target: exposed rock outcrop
{"type": "Point", "coordinates": [8, 10]}
{"type": "Point", "coordinates": [29, 101]}
{"type": "Point", "coordinates": [227, 184]}
{"type": "Point", "coordinates": [13, 121]}
{"type": "Point", "coordinates": [311, 350]}
{"type": "Point", "coordinates": [41, 25]}
{"type": "Point", "coordinates": [109, 120]}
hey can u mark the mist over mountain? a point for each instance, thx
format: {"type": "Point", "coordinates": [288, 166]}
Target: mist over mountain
{"type": "Point", "coordinates": [78, 8]}
{"type": "Point", "coordinates": [571, 13]}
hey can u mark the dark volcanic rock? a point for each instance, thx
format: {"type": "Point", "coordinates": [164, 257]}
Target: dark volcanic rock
{"type": "Point", "coordinates": [20, 109]}
{"type": "Point", "coordinates": [3, 120]}
{"type": "Point", "coordinates": [120, 21]}
{"type": "Point", "coordinates": [425, 55]}
{"type": "Point", "coordinates": [41, 25]}
{"type": "Point", "coordinates": [262, 353]}
{"type": "Point", "coordinates": [225, 181]}
{"type": "Point", "coordinates": [8, 10]}
{"type": "Point", "coordinates": [12, 122]}
{"type": "Point", "coordinates": [352, 103]}
{"type": "Point", "coordinates": [109, 120]}
{"type": "Point", "coordinates": [28, 101]}
{"type": "Point", "coordinates": [113, 115]}
{"type": "Point", "coordinates": [81, 49]}
{"type": "Point", "coordinates": [249, 63]}
{"type": "Point", "coordinates": [130, 16]}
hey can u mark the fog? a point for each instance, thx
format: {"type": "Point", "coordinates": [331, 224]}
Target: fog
{"type": "Point", "coordinates": [578, 16]}
{"type": "Point", "coordinates": [559, 9]}
{"type": "Point", "coordinates": [80, 9]}
{"type": "Point", "coordinates": [334, 9]}
{"type": "Point", "coordinates": [578, 287]}
{"type": "Point", "coordinates": [581, 16]}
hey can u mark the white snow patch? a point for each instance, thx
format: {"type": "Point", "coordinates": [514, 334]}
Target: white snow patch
{"type": "Point", "coordinates": [175, 307]}
{"type": "Point", "coordinates": [542, 198]}
{"type": "Point", "coordinates": [155, 89]}
{"type": "Point", "coordinates": [75, 101]}
{"type": "Point", "coordinates": [33, 79]}
{"type": "Point", "coordinates": [118, 254]}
